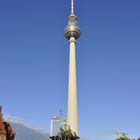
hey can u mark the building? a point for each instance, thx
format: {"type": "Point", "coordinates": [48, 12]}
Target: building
{"type": "Point", "coordinates": [2, 130]}
{"type": "Point", "coordinates": [56, 124]}
{"type": "Point", "coordinates": [6, 131]}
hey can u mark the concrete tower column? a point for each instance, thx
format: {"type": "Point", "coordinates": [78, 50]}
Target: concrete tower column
{"type": "Point", "coordinates": [72, 91]}
{"type": "Point", "coordinates": [72, 33]}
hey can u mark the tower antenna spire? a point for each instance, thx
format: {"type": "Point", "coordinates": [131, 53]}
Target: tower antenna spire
{"type": "Point", "coordinates": [72, 7]}
{"type": "Point", "coordinates": [72, 33]}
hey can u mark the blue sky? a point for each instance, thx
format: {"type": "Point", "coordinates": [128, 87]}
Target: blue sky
{"type": "Point", "coordinates": [34, 63]}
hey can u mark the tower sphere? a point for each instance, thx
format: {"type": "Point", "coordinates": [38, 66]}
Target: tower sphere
{"type": "Point", "coordinates": [72, 29]}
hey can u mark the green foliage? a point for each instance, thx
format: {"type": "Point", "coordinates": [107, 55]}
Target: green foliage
{"type": "Point", "coordinates": [123, 138]}
{"type": "Point", "coordinates": [68, 134]}
{"type": "Point", "coordinates": [126, 138]}
{"type": "Point", "coordinates": [65, 134]}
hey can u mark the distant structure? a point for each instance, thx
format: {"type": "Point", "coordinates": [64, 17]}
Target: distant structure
{"type": "Point", "coordinates": [72, 33]}
{"type": "Point", "coordinates": [6, 131]}
{"type": "Point", "coordinates": [119, 133]}
{"type": "Point", "coordinates": [56, 124]}
{"type": "Point", "coordinates": [60, 130]}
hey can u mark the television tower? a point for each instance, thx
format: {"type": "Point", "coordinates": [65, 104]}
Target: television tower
{"type": "Point", "coordinates": [72, 33]}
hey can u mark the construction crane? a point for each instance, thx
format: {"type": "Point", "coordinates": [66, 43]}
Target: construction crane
{"type": "Point", "coordinates": [119, 133]}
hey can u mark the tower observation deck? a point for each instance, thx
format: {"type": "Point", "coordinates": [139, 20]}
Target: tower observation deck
{"type": "Point", "coordinates": [72, 33]}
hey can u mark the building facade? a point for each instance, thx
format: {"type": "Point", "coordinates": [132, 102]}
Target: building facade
{"type": "Point", "coordinates": [58, 123]}
{"type": "Point", "coordinates": [6, 131]}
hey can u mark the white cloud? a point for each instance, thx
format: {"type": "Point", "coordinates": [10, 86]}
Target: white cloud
{"type": "Point", "coordinates": [17, 120]}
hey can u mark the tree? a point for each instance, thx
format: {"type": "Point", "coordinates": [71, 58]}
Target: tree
{"type": "Point", "coordinates": [65, 134]}
{"type": "Point", "coordinates": [123, 138]}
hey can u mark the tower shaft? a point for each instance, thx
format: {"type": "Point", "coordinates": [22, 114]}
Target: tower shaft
{"type": "Point", "coordinates": [72, 33]}
{"type": "Point", "coordinates": [72, 89]}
